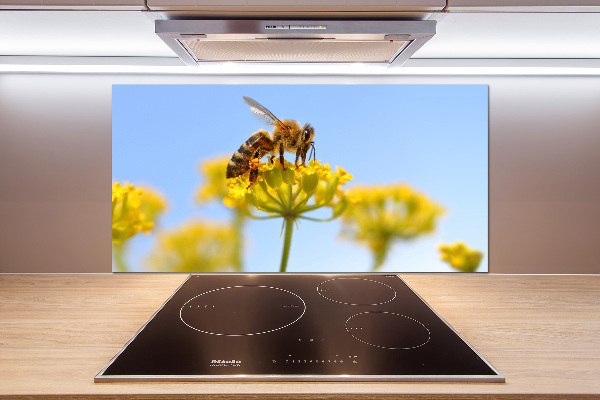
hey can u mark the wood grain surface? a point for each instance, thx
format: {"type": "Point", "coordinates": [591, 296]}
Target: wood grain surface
{"type": "Point", "coordinates": [542, 332]}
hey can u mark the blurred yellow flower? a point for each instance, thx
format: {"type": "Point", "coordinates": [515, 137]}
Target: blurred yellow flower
{"type": "Point", "coordinates": [291, 193]}
{"type": "Point", "coordinates": [197, 246]}
{"type": "Point", "coordinates": [214, 186]}
{"type": "Point", "coordinates": [460, 257]}
{"type": "Point", "coordinates": [382, 214]}
{"type": "Point", "coordinates": [134, 210]}
{"type": "Point", "coordinates": [118, 191]}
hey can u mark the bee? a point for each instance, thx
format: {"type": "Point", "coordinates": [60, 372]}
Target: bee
{"type": "Point", "coordinates": [287, 136]}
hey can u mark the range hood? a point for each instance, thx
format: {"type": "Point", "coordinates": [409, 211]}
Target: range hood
{"type": "Point", "coordinates": [387, 42]}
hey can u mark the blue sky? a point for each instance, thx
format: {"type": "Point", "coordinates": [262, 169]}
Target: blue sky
{"type": "Point", "coordinates": [433, 137]}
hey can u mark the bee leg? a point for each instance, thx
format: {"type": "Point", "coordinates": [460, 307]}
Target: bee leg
{"type": "Point", "coordinates": [298, 152]}
{"type": "Point", "coordinates": [253, 176]}
{"type": "Point", "coordinates": [281, 159]}
{"type": "Point", "coordinates": [253, 169]}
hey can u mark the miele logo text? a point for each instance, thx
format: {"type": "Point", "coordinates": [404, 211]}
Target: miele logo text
{"type": "Point", "coordinates": [226, 363]}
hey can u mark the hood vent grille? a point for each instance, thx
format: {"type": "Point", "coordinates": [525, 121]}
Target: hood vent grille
{"type": "Point", "coordinates": [385, 42]}
{"type": "Point", "coordinates": [309, 50]}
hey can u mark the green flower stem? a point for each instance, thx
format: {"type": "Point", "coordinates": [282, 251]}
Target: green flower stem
{"type": "Point", "coordinates": [302, 203]}
{"type": "Point", "coordinates": [282, 198]}
{"type": "Point", "coordinates": [269, 209]}
{"type": "Point", "coordinates": [123, 209]}
{"type": "Point", "coordinates": [124, 206]}
{"type": "Point", "coordinates": [238, 221]}
{"type": "Point", "coordinates": [295, 195]}
{"type": "Point", "coordinates": [276, 200]}
{"type": "Point", "coordinates": [319, 219]}
{"type": "Point", "coordinates": [250, 215]}
{"type": "Point", "coordinates": [287, 242]}
{"type": "Point", "coordinates": [380, 256]}
{"type": "Point", "coordinates": [310, 208]}
{"type": "Point", "coordinates": [119, 257]}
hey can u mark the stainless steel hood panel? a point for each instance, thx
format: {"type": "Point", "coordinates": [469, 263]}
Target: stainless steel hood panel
{"type": "Point", "coordinates": [308, 41]}
{"type": "Point", "coordinates": [271, 7]}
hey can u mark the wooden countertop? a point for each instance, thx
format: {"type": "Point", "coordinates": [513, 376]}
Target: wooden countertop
{"type": "Point", "coordinates": [542, 332]}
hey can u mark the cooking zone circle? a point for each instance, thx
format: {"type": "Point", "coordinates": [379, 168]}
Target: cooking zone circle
{"type": "Point", "coordinates": [388, 330]}
{"type": "Point", "coordinates": [242, 310]}
{"type": "Point", "coordinates": [356, 291]}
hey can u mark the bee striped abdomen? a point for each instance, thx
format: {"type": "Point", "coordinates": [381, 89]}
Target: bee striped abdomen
{"type": "Point", "coordinates": [240, 161]}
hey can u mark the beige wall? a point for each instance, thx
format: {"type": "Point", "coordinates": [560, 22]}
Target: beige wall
{"type": "Point", "coordinates": [55, 168]}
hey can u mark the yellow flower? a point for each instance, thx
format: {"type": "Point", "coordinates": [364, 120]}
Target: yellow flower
{"type": "Point", "coordinates": [291, 193]}
{"type": "Point", "coordinates": [198, 246]}
{"type": "Point", "coordinates": [214, 184]}
{"type": "Point", "coordinates": [343, 175]}
{"type": "Point", "coordinates": [315, 167]}
{"type": "Point", "coordinates": [134, 210]}
{"type": "Point", "coordinates": [294, 191]}
{"type": "Point", "coordinates": [460, 257]}
{"type": "Point", "coordinates": [213, 174]}
{"type": "Point", "coordinates": [118, 191]}
{"type": "Point", "coordinates": [381, 214]}
{"type": "Point", "coordinates": [238, 187]}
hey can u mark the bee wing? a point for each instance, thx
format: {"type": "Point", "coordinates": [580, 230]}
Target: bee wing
{"type": "Point", "coordinates": [262, 117]}
{"type": "Point", "coordinates": [262, 113]}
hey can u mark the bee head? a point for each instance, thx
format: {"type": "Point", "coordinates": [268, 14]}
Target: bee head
{"type": "Point", "coordinates": [308, 133]}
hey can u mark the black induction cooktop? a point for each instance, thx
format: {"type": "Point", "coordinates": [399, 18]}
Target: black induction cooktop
{"type": "Point", "coordinates": [309, 327]}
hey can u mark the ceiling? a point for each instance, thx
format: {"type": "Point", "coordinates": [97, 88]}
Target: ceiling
{"type": "Point", "coordinates": [460, 35]}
